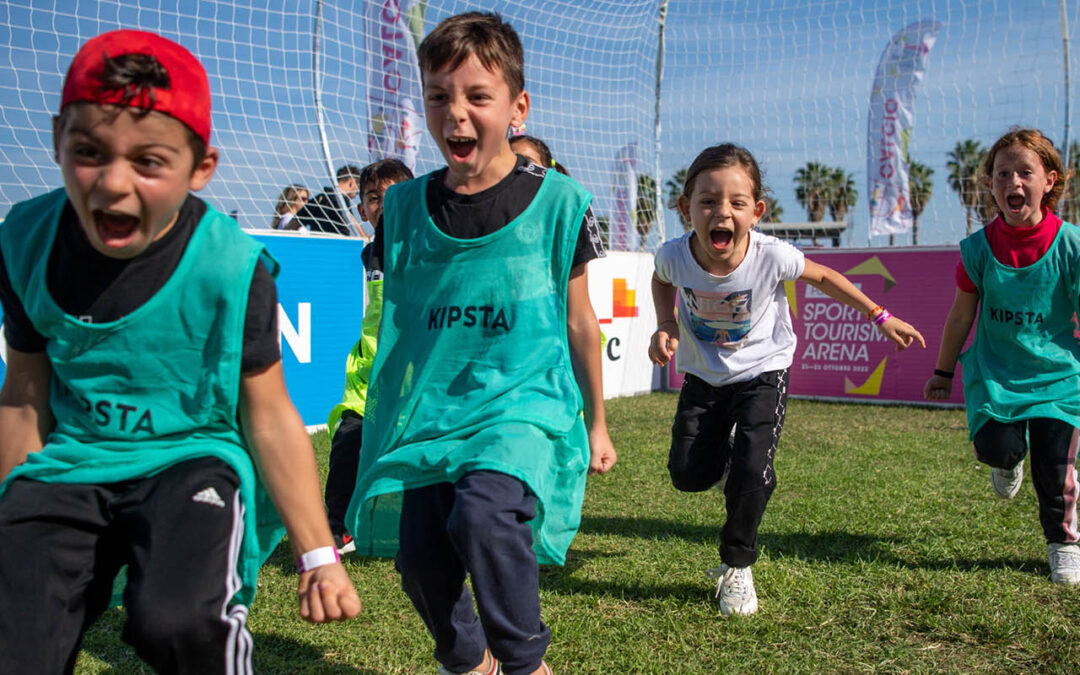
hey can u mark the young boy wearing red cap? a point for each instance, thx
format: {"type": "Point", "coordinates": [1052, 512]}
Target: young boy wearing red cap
{"type": "Point", "coordinates": [142, 367]}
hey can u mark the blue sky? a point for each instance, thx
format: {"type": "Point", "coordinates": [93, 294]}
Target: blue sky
{"type": "Point", "coordinates": [789, 80]}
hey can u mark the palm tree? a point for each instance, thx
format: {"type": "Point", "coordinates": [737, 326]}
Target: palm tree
{"type": "Point", "coordinates": [840, 193]}
{"type": "Point", "coordinates": [646, 205]}
{"type": "Point", "coordinates": [964, 162]}
{"type": "Point", "coordinates": [674, 187]}
{"type": "Point", "coordinates": [773, 210]}
{"type": "Point", "coordinates": [921, 188]}
{"type": "Point", "coordinates": [811, 183]}
{"type": "Point", "coordinates": [603, 223]}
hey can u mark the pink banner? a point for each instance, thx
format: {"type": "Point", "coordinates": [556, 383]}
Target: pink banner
{"type": "Point", "coordinates": [840, 355]}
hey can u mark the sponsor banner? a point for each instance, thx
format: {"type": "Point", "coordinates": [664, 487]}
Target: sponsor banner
{"type": "Point", "coordinates": [892, 99]}
{"type": "Point", "coordinates": [620, 288]}
{"type": "Point", "coordinates": [320, 306]}
{"type": "Point", "coordinates": [395, 104]}
{"type": "Point", "coordinates": [841, 355]}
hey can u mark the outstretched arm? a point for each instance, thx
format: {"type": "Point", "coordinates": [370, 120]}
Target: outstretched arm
{"type": "Point", "coordinates": [286, 463]}
{"type": "Point", "coordinates": [584, 335]}
{"type": "Point", "coordinates": [957, 326]}
{"type": "Point", "coordinates": [665, 340]}
{"type": "Point", "coordinates": [836, 286]}
{"type": "Point", "coordinates": [25, 416]}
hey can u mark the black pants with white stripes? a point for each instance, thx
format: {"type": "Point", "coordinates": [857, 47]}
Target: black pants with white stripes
{"type": "Point", "coordinates": [61, 545]}
{"type": "Point", "coordinates": [701, 451]}
{"type": "Point", "coordinates": [1003, 445]}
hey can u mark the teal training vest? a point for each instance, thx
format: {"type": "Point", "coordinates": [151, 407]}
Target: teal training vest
{"type": "Point", "coordinates": [473, 369]}
{"type": "Point", "coordinates": [1024, 361]}
{"type": "Point", "coordinates": [159, 386]}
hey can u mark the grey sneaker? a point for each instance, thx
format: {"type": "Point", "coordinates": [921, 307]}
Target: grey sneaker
{"type": "Point", "coordinates": [1007, 482]}
{"type": "Point", "coordinates": [735, 588]}
{"type": "Point", "coordinates": [1064, 563]}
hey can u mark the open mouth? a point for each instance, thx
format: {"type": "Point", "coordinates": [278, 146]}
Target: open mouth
{"type": "Point", "coordinates": [461, 147]}
{"type": "Point", "coordinates": [115, 230]}
{"type": "Point", "coordinates": [720, 239]}
{"type": "Point", "coordinates": [1015, 202]}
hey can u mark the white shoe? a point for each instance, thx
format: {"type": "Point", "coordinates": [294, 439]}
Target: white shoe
{"type": "Point", "coordinates": [1007, 482]}
{"type": "Point", "coordinates": [735, 588]}
{"type": "Point", "coordinates": [1064, 563]}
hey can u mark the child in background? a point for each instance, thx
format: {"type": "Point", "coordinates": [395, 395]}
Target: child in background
{"type": "Point", "coordinates": [142, 367]}
{"type": "Point", "coordinates": [473, 411]}
{"type": "Point", "coordinates": [733, 312]}
{"type": "Point", "coordinates": [1022, 372]}
{"type": "Point", "coordinates": [536, 151]}
{"type": "Point", "coordinates": [346, 420]}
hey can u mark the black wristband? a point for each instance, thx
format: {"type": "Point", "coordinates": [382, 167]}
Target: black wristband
{"type": "Point", "coordinates": [943, 373]}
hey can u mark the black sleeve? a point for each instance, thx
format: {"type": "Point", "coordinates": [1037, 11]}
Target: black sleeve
{"type": "Point", "coordinates": [590, 245]}
{"type": "Point", "coordinates": [261, 347]}
{"type": "Point", "coordinates": [19, 332]}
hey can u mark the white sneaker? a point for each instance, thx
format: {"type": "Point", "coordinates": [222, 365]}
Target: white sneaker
{"type": "Point", "coordinates": [735, 588]}
{"type": "Point", "coordinates": [1064, 563]}
{"type": "Point", "coordinates": [1007, 482]}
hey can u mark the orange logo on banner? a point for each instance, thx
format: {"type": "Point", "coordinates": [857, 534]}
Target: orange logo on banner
{"type": "Point", "coordinates": [623, 305]}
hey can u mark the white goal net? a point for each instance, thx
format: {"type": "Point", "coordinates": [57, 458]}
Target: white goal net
{"type": "Point", "coordinates": [299, 88]}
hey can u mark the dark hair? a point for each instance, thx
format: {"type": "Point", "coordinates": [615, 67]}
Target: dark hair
{"type": "Point", "coordinates": [136, 74]}
{"type": "Point", "coordinates": [560, 168]}
{"type": "Point", "coordinates": [721, 157]}
{"type": "Point", "coordinates": [546, 160]}
{"type": "Point", "coordinates": [1033, 140]}
{"type": "Point", "coordinates": [288, 196]}
{"type": "Point", "coordinates": [385, 170]}
{"type": "Point", "coordinates": [484, 34]}
{"type": "Point", "coordinates": [348, 171]}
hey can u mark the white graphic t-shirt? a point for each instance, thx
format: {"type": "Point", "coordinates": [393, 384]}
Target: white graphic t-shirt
{"type": "Point", "coordinates": [733, 328]}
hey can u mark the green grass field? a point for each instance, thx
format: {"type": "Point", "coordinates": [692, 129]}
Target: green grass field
{"type": "Point", "coordinates": [883, 550]}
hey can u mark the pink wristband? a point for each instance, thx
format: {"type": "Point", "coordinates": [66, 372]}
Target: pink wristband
{"type": "Point", "coordinates": [882, 317]}
{"type": "Point", "coordinates": [317, 557]}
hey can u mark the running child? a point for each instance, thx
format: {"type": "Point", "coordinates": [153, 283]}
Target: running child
{"type": "Point", "coordinates": [142, 368]}
{"type": "Point", "coordinates": [473, 411]}
{"type": "Point", "coordinates": [1020, 275]}
{"type": "Point", "coordinates": [346, 420]}
{"type": "Point", "coordinates": [738, 347]}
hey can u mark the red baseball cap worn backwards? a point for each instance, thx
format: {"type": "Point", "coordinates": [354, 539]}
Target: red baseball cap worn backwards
{"type": "Point", "coordinates": [187, 98]}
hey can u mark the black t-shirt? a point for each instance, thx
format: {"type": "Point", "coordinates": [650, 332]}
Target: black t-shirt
{"type": "Point", "coordinates": [476, 215]}
{"type": "Point", "coordinates": [323, 214]}
{"type": "Point", "coordinates": [98, 289]}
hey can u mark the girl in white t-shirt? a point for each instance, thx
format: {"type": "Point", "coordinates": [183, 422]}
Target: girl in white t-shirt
{"type": "Point", "coordinates": [734, 313]}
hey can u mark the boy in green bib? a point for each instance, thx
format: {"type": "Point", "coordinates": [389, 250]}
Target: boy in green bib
{"type": "Point", "coordinates": [489, 351]}
{"type": "Point", "coordinates": [142, 369]}
{"type": "Point", "coordinates": [1019, 279]}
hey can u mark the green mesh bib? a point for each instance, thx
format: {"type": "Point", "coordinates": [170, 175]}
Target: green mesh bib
{"type": "Point", "coordinates": [473, 369]}
{"type": "Point", "coordinates": [1024, 361]}
{"type": "Point", "coordinates": [134, 396]}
